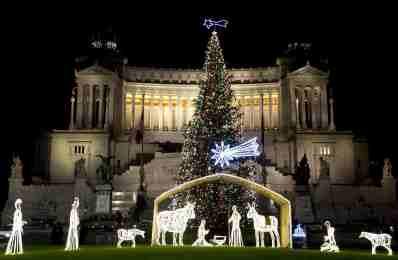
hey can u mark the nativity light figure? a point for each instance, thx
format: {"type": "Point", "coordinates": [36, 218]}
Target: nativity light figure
{"type": "Point", "coordinates": [15, 246]}
{"type": "Point", "coordinates": [202, 233]}
{"type": "Point", "coordinates": [261, 227]}
{"type": "Point", "coordinates": [175, 222]}
{"type": "Point", "coordinates": [72, 241]}
{"type": "Point", "coordinates": [235, 238]}
{"type": "Point", "coordinates": [378, 240]}
{"type": "Point", "coordinates": [129, 235]}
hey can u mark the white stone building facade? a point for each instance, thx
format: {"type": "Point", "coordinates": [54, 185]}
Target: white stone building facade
{"type": "Point", "coordinates": [298, 114]}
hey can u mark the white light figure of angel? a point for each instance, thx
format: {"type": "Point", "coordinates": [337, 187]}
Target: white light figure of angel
{"type": "Point", "coordinates": [223, 154]}
{"type": "Point", "coordinates": [72, 241]}
{"type": "Point", "coordinates": [14, 246]}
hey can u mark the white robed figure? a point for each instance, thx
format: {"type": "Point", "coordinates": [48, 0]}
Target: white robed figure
{"type": "Point", "coordinates": [235, 238]}
{"type": "Point", "coordinates": [14, 246]}
{"type": "Point", "coordinates": [202, 232]}
{"type": "Point", "coordinates": [72, 241]}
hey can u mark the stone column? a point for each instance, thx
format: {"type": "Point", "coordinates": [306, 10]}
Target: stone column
{"type": "Point", "coordinates": [170, 115]}
{"type": "Point", "coordinates": [298, 126]}
{"type": "Point", "coordinates": [124, 106]}
{"type": "Point", "coordinates": [314, 102]}
{"type": "Point", "coordinates": [107, 107]}
{"type": "Point", "coordinates": [251, 113]}
{"type": "Point", "coordinates": [303, 113]}
{"type": "Point", "coordinates": [324, 107]}
{"type": "Point", "coordinates": [261, 110]}
{"type": "Point", "coordinates": [332, 126]}
{"type": "Point", "coordinates": [178, 111]}
{"type": "Point", "coordinates": [150, 113]}
{"type": "Point", "coordinates": [132, 109]}
{"type": "Point", "coordinates": [100, 107]}
{"type": "Point", "coordinates": [79, 107]}
{"type": "Point", "coordinates": [190, 109]}
{"type": "Point", "coordinates": [160, 114]}
{"type": "Point", "coordinates": [293, 108]}
{"type": "Point", "coordinates": [270, 109]}
{"type": "Point", "coordinates": [72, 112]}
{"type": "Point", "coordinates": [90, 107]}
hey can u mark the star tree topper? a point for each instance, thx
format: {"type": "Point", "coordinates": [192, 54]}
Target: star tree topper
{"type": "Point", "coordinates": [223, 154]}
{"type": "Point", "coordinates": [208, 23]}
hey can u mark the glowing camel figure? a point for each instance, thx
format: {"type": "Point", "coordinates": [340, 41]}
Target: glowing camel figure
{"type": "Point", "coordinates": [377, 240]}
{"type": "Point", "coordinates": [129, 235]}
{"type": "Point", "coordinates": [14, 246]}
{"type": "Point", "coordinates": [174, 221]}
{"type": "Point", "coordinates": [329, 241]}
{"type": "Point", "coordinates": [261, 227]}
{"type": "Point", "coordinates": [72, 241]}
{"type": "Point", "coordinates": [202, 232]}
{"type": "Point", "coordinates": [235, 238]}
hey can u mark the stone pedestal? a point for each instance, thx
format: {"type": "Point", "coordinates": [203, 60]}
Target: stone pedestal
{"type": "Point", "coordinates": [389, 186]}
{"type": "Point", "coordinates": [303, 205]}
{"type": "Point", "coordinates": [103, 194]}
{"type": "Point", "coordinates": [324, 199]}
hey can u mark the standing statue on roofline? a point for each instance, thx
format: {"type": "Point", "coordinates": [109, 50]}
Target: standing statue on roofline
{"type": "Point", "coordinates": [387, 168]}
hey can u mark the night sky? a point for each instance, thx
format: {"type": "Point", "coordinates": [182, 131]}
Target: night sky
{"type": "Point", "coordinates": [42, 46]}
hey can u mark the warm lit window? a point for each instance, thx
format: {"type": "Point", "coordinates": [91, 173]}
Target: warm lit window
{"type": "Point", "coordinates": [325, 150]}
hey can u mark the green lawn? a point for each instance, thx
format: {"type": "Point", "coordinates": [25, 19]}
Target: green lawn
{"type": "Point", "coordinates": [187, 253]}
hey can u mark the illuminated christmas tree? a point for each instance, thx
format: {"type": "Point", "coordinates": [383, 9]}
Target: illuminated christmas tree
{"type": "Point", "coordinates": [216, 119]}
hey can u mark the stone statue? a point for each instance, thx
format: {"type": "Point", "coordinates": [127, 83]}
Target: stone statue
{"type": "Point", "coordinates": [302, 175]}
{"type": "Point", "coordinates": [323, 169]}
{"type": "Point", "coordinates": [387, 168]}
{"type": "Point", "coordinates": [16, 167]}
{"type": "Point", "coordinates": [80, 168]}
{"type": "Point", "coordinates": [104, 171]}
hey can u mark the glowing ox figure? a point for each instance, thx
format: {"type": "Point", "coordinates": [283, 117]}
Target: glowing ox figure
{"type": "Point", "coordinates": [261, 227]}
{"type": "Point", "coordinates": [129, 235]}
{"type": "Point", "coordinates": [383, 240]}
{"type": "Point", "coordinates": [175, 222]}
{"type": "Point", "coordinates": [202, 232]}
{"type": "Point", "coordinates": [329, 241]}
{"type": "Point", "coordinates": [72, 241]}
{"type": "Point", "coordinates": [14, 246]}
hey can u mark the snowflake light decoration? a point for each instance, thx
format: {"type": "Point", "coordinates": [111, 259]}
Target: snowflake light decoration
{"type": "Point", "coordinates": [223, 154]}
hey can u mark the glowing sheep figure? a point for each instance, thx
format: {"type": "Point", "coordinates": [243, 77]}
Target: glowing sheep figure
{"type": "Point", "coordinates": [72, 241]}
{"type": "Point", "coordinates": [377, 240]}
{"type": "Point", "coordinates": [329, 244]}
{"type": "Point", "coordinates": [202, 232]}
{"type": "Point", "coordinates": [235, 238]}
{"type": "Point", "coordinates": [261, 227]}
{"type": "Point", "coordinates": [128, 235]}
{"type": "Point", "coordinates": [14, 246]}
{"type": "Point", "coordinates": [175, 222]}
